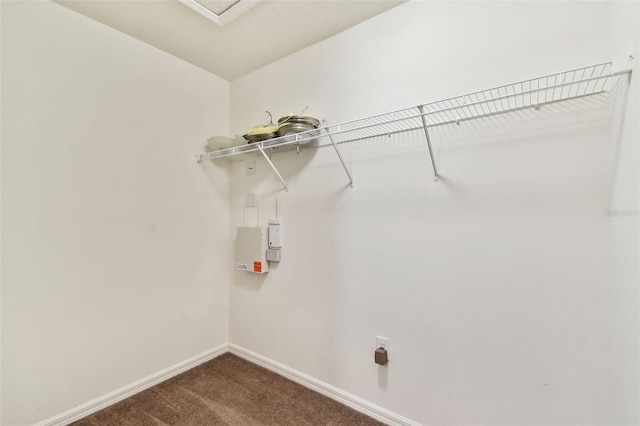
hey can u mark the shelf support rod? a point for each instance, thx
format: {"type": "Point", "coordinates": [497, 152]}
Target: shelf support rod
{"type": "Point", "coordinates": [436, 178]}
{"type": "Point", "coordinates": [344, 166]}
{"type": "Point", "coordinates": [266, 157]}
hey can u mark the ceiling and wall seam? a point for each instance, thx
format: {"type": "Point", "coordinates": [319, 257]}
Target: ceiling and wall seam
{"type": "Point", "coordinates": [248, 43]}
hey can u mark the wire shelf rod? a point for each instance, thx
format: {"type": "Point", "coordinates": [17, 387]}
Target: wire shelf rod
{"type": "Point", "coordinates": [364, 132]}
{"type": "Point", "coordinates": [592, 67]}
{"type": "Point", "coordinates": [420, 127]}
{"type": "Point", "coordinates": [572, 84]}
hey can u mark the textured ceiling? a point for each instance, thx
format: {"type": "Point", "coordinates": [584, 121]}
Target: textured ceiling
{"type": "Point", "coordinates": [265, 33]}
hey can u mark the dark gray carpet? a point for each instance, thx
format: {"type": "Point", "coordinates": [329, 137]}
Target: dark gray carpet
{"type": "Point", "coordinates": [227, 391]}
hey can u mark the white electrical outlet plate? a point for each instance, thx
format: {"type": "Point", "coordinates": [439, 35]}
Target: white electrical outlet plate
{"type": "Point", "coordinates": [250, 167]}
{"type": "Point", "coordinates": [382, 342]}
{"type": "Point", "coordinates": [250, 200]}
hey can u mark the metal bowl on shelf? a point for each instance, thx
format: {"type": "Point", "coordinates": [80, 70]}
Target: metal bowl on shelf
{"type": "Point", "coordinates": [293, 128]}
{"type": "Point", "coordinates": [261, 137]}
{"type": "Point", "coordinates": [294, 124]}
{"type": "Point", "coordinates": [299, 119]}
{"type": "Point", "coordinates": [262, 133]}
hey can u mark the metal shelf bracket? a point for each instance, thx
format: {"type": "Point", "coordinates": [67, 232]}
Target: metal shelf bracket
{"type": "Point", "coordinates": [266, 157]}
{"type": "Point", "coordinates": [436, 178]}
{"type": "Point", "coordinates": [344, 166]}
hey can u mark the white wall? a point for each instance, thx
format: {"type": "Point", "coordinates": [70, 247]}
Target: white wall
{"type": "Point", "coordinates": [115, 242]}
{"type": "Point", "coordinates": [508, 295]}
{"type": "Point", "coordinates": [623, 22]}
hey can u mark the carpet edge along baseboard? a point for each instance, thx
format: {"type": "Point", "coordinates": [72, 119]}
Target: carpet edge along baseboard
{"type": "Point", "coordinates": [104, 401]}
{"type": "Point", "coordinates": [345, 398]}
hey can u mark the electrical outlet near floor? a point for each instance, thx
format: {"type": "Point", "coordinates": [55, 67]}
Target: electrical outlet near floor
{"type": "Point", "coordinates": [382, 342]}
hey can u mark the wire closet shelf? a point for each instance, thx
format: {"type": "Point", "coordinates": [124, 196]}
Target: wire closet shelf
{"type": "Point", "coordinates": [533, 93]}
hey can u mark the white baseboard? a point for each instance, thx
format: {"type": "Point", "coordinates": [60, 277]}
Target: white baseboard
{"type": "Point", "coordinates": [305, 380]}
{"type": "Point", "coordinates": [111, 398]}
{"type": "Point", "coordinates": [325, 389]}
